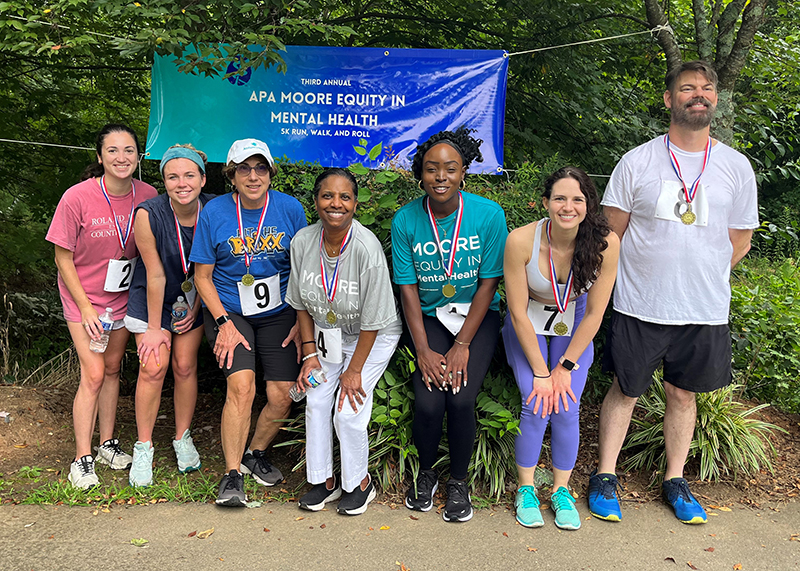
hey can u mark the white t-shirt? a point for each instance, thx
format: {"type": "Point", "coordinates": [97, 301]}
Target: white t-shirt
{"type": "Point", "coordinates": [670, 272]}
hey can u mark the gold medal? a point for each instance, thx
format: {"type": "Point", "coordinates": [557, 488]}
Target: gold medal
{"type": "Point", "coordinates": [448, 290]}
{"type": "Point", "coordinates": [560, 328]}
{"type": "Point", "coordinates": [186, 286]}
{"type": "Point", "coordinates": [688, 217]}
{"type": "Point", "coordinates": [248, 279]}
{"type": "Point", "coordinates": [331, 317]}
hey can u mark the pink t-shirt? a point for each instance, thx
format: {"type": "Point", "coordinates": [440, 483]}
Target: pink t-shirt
{"type": "Point", "coordinates": [84, 224]}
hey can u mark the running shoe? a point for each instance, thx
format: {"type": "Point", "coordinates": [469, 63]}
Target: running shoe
{"type": "Point", "coordinates": [687, 509]}
{"type": "Point", "coordinates": [231, 490]}
{"type": "Point", "coordinates": [603, 502]}
{"type": "Point", "coordinates": [81, 473]}
{"type": "Point", "coordinates": [316, 498]}
{"type": "Point", "coordinates": [426, 485]}
{"type": "Point", "coordinates": [141, 474]}
{"type": "Point", "coordinates": [186, 453]}
{"type": "Point", "coordinates": [526, 505]}
{"type": "Point", "coordinates": [458, 506]}
{"type": "Point", "coordinates": [110, 452]}
{"type": "Point", "coordinates": [567, 516]}
{"type": "Point", "coordinates": [355, 502]}
{"type": "Point", "coordinates": [256, 464]}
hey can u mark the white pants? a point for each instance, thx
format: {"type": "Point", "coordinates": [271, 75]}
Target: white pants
{"type": "Point", "coordinates": [351, 427]}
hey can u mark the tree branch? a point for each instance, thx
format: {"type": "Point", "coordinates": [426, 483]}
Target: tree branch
{"type": "Point", "coordinates": [445, 23]}
{"type": "Point", "coordinates": [726, 28]}
{"type": "Point", "coordinates": [701, 31]}
{"type": "Point", "coordinates": [656, 17]}
{"type": "Point", "coordinates": [751, 19]}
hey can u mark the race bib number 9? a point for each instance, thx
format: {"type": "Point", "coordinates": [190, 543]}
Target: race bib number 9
{"type": "Point", "coordinates": [263, 295]}
{"type": "Point", "coordinates": [545, 317]}
{"type": "Point", "coordinates": [329, 344]}
{"type": "Point", "coordinates": [672, 203]}
{"type": "Point", "coordinates": [119, 275]}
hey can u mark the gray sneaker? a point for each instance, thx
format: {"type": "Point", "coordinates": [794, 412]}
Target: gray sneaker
{"type": "Point", "coordinates": [256, 464]}
{"type": "Point", "coordinates": [81, 473]}
{"type": "Point", "coordinates": [110, 452]}
{"type": "Point", "coordinates": [231, 490]}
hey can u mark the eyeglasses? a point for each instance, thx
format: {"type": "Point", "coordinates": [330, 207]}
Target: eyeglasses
{"type": "Point", "coordinates": [244, 169]}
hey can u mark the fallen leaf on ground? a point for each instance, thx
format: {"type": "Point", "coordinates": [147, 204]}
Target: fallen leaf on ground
{"type": "Point", "coordinates": [154, 500]}
{"type": "Point", "coordinates": [105, 510]}
{"type": "Point", "coordinates": [192, 534]}
{"type": "Point", "coordinates": [709, 549]}
{"type": "Point", "coordinates": [384, 527]}
{"type": "Point", "coordinates": [95, 512]}
{"type": "Point", "coordinates": [205, 534]}
{"type": "Point", "coordinates": [252, 504]}
{"type": "Point", "coordinates": [532, 549]}
{"type": "Point", "coordinates": [670, 559]}
{"type": "Point", "coordinates": [504, 533]}
{"type": "Point", "coordinates": [724, 509]}
{"type": "Point", "coordinates": [737, 567]}
{"type": "Point", "coordinates": [371, 529]}
{"type": "Point", "coordinates": [266, 530]}
{"type": "Point", "coordinates": [689, 563]}
{"type": "Point", "coordinates": [299, 518]}
{"type": "Point", "coordinates": [20, 445]}
{"type": "Point", "coordinates": [415, 518]}
{"type": "Point", "coordinates": [322, 526]}
{"type": "Point", "coordinates": [30, 524]}
{"type": "Point", "coordinates": [138, 542]}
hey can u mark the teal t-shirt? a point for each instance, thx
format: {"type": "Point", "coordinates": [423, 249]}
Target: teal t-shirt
{"type": "Point", "coordinates": [481, 243]}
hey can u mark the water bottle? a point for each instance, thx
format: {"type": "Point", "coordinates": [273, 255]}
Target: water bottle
{"type": "Point", "coordinates": [100, 345]}
{"type": "Point", "coordinates": [179, 310]}
{"type": "Point", "coordinates": [315, 377]}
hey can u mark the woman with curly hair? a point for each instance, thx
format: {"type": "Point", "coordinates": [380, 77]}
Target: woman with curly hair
{"type": "Point", "coordinates": [559, 273]}
{"type": "Point", "coordinates": [447, 249]}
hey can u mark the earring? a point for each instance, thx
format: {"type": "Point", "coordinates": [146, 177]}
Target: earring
{"type": "Point", "coordinates": [419, 184]}
{"type": "Point", "coordinates": [463, 184]}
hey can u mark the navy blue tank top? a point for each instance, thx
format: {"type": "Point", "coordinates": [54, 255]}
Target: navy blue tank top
{"type": "Point", "coordinates": [162, 224]}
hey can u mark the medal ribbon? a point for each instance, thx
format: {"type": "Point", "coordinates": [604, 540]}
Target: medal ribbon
{"type": "Point", "coordinates": [561, 300]}
{"type": "Point", "coordinates": [691, 191]}
{"type": "Point", "coordinates": [123, 240]}
{"type": "Point", "coordinates": [185, 263]}
{"type": "Point", "coordinates": [248, 257]}
{"type": "Point", "coordinates": [330, 286]}
{"type": "Point", "coordinates": [447, 265]}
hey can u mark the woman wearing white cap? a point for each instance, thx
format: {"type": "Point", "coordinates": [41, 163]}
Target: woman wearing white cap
{"type": "Point", "coordinates": [241, 252]}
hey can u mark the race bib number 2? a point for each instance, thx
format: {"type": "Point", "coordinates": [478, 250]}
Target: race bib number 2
{"type": "Point", "coordinates": [263, 295]}
{"type": "Point", "coordinates": [119, 275]}
{"type": "Point", "coordinates": [545, 317]}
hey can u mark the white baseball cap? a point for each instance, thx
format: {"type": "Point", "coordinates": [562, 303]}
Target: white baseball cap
{"type": "Point", "coordinates": [243, 149]}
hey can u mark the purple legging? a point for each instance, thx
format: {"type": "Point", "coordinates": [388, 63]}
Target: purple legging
{"type": "Point", "coordinates": [565, 426]}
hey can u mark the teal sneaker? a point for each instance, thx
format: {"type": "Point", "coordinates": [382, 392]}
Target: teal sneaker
{"type": "Point", "coordinates": [567, 516]}
{"type": "Point", "coordinates": [141, 474]}
{"type": "Point", "coordinates": [687, 508]}
{"type": "Point", "coordinates": [188, 458]}
{"type": "Point", "coordinates": [526, 505]}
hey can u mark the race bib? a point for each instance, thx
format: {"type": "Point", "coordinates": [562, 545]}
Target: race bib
{"type": "Point", "coordinates": [329, 344]}
{"type": "Point", "coordinates": [263, 295]}
{"type": "Point", "coordinates": [545, 317]}
{"type": "Point", "coordinates": [453, 316]}
{"type": "Point", "coordinates": [119, 275]}
{"type": "Point", "coordinates": [191, 295]}
{"type": "Point", "coordinates": [672, 203]}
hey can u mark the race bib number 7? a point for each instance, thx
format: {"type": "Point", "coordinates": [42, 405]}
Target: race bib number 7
{"type": "Point", "coordinates": [544, 318]}
{"type": "Point", "coordinates": [263, 295]}
{"type": "Point", "coordinates": [119, 275]}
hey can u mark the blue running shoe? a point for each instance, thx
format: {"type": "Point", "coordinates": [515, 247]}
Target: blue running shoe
{"type": "Point", "coordinates": [526, 505]}
{"type": "Point", "coordinates": [687, 508]}
{"type": "Point", "coordinates": [603, 502]}
{"type": "Point", "coordinates": [567, 516]}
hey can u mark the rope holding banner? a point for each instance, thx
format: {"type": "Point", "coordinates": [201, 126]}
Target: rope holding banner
{"type": "Point", "coordinates": [662, 27]}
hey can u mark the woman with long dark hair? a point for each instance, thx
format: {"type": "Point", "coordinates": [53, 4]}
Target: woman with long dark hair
{"type": "Point", "coordinates": [559, 273]}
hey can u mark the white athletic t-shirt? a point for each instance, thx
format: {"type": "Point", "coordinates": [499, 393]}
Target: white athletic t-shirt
{"type": "Point", "coordinates": [670, 272]}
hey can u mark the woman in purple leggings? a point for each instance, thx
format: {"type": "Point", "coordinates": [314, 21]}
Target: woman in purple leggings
{"type": "Point", "coordinates": [559, 273]}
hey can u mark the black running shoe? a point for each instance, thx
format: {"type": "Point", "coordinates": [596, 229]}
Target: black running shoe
{"type": "Point", "coordinates": [231, 490]}
{"type": "Point", "coordinates": [316, 498]}
{"type": "Point", "coordinates": [355, 502]}
{"type": "Point", "coordinates": [426, 485]}
{"type": "Point", "coordinates": [458, 506]}
{"type": "Point", "coordinates": [256, 464]}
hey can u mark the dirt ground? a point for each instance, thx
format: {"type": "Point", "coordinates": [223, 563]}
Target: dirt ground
{"type": "Point", "coordinates": [40, 434]}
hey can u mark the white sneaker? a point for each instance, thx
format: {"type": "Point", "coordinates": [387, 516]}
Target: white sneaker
{"type": "Point", "coordinates": [186, 453]}
{"type": "Point", "coordinates": [109, 452]}
{"type": "Point", "coordinates": [81, 473]}
{"type": "Point", "coordinates": [141, 473]}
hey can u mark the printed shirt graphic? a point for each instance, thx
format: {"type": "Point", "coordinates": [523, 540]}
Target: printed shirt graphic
{"type": "Point", "coordinates": [416, 258]}
{"type": "Point", "coordinates": [217, 242]}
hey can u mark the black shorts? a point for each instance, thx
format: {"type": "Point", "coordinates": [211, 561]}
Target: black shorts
{"type": "Point", "coordinates": [265, 335]}
{"type": "Point", "coordinates": [697, 358]}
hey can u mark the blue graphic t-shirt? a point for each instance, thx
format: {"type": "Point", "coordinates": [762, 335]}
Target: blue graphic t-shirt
{"type": "Point", "coordinates": [481, 243]}
{"type": "Point", "coordinates": [217, 242]}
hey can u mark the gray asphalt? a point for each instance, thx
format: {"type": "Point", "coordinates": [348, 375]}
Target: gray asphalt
{"type": "Point", "coordinates": [649, 537]}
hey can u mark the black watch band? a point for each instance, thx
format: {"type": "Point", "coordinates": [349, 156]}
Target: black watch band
{"type": "Point", "coordinates": [221, 320]}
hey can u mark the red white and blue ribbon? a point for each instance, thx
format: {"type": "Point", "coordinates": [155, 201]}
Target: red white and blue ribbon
{"type": "Point", "coordinates": [691, 191]}
{"type": "Point", "coordinates": [447, 265]}
{"type": "Point", "coordinates": [123, 239]}
{"type": "Point", "coordinates": [561, 300]}
{"type": "Point", "coordinates": [185, 263]}
{"type": "Point", "coordinates": [248, 257]}
{"type": "Point", "coordinates": [331, 285]}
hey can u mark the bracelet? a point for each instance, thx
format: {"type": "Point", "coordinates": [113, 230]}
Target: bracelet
{"type": "Point", "coordinates": [307, 342]}
{"type": "Point", "coordinates": [465, 344]}
{"type": "Point", "coordinates": [535, 376]}
{"type": "Point", "coordinates": [307, 357]}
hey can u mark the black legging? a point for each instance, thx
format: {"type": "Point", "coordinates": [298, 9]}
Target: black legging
{"type": "Point", "coordinates": [430, 406]}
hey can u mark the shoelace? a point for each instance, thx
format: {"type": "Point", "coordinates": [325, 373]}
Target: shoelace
{"type": "Point", "coordinates": [184, 444]}
{"type": "Point", "coordinates": [457, 492]}
{"type": "Point", "coordinates": [529, 499]}
{"type": "Point", "coordinates": [141, 460]}
{"type": "Point", "coordinates": [263, 463]}
{"type": "Point", "coordinates": [114, 447]}
{"type": "Point", "coordinates": [85, 465]}
{"type": "Point", "coordinates": [425, 483]}
{"type": "Point", "coordinates": [608, 487]}
{"type": "Point", "coordinates": [562, 500]}
{"type": "Point", "coordinates": [682, 489]}
{"type": "Point", "coordinates": [231, 484]}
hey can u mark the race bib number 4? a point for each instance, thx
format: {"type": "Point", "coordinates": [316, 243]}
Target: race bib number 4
{"type": "Point", "coordinates": [329, 344]}
{"type": "Point", "coordinates": [672, 203]}
{"type": "Point", "coordinates": [263, 295]}
{"type": "Point", "coordinates": [545, 317]}
{"type": "Point", "coordinates": [119, 275]}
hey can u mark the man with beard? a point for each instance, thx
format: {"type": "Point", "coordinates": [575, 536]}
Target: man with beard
{"type": "Point", "coordinates": [684, 207]}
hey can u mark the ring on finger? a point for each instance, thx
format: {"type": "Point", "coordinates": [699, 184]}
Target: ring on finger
{"type": "Point", "coordinates": [460, 373]}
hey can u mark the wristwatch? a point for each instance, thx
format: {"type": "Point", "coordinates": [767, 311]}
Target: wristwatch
{"type": "Point", "coordinates": [221, 320]}
{"type": "Point", "coordinates": [568, 365]}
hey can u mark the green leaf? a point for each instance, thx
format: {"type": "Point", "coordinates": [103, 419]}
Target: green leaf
{"type": "Point", "coordinates": [360, 150]}
{"type": "Point", "coordinates": [375, 151]}
{"type": "Point", "coordinates": [358, 168]}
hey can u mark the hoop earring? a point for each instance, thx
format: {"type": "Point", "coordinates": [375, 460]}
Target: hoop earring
{"type": "Point", "coordinates": [419, 184]}
{"type": "Point", "coordinates": [463, 184]}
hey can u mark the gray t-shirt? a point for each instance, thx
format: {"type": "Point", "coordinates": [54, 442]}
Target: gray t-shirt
{"type": "Point", "coordinates": [364, 298]}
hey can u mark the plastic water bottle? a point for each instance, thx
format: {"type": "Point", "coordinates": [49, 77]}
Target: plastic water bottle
{"type": "Point", "coordinates": [316, 377]}
{"type": "Point", "coordinates": [100, 345]}
{"type": "Point", "coordinates": [179, 310]}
